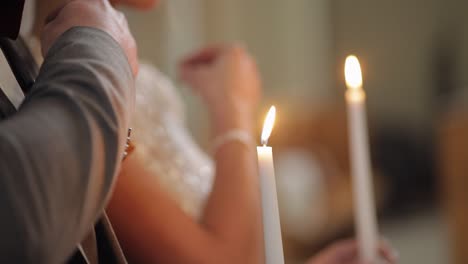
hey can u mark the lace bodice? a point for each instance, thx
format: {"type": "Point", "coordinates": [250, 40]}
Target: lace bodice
{"type": "Point", "coordinates": [165, 145]}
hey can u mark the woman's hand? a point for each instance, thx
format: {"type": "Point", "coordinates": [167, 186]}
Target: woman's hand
{"type": "Point", "coordinates": [227, 79]}
{"type": "Point", "coordinates": [346, 252]}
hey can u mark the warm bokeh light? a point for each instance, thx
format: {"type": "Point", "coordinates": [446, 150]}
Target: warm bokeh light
{"type": "Point", "coordinates": [353, 73]}
{"type": "Point", "coordinates": [268, 125]}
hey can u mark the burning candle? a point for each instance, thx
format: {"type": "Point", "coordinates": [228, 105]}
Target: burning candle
{"type": "Point", "coordinates": [270, 213]}
{"type": "Point", "coordinates": [364, 208]}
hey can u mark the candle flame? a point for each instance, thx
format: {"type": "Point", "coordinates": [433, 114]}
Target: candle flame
{"type": "Point", "coordinates": [268, 125]}
{"type": "Point", "coordinates": [353, 73]}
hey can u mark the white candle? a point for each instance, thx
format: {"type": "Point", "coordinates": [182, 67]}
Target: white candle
{"type": "Point", "coordinates": [364, 208]}
{"type": "Point", "coordinates": [271, 222]}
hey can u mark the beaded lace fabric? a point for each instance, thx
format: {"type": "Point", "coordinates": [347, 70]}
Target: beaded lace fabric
{"type": "Point", "coordinates": [165, 145]}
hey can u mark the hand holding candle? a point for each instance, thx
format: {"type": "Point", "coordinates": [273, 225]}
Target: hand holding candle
{"type": "Point", "coordinates": [271, 221]}
{"type": "Point", "coordinates": [364, 208]}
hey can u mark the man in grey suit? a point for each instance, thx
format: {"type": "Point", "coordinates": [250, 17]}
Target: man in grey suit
{"type": "Point", "coordinates": [60, 152]}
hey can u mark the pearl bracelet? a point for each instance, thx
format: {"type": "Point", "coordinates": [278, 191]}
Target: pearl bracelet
{"type": "Point", "coordinates": [237, 135]}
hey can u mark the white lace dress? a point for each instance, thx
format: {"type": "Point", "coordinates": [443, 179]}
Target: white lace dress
{"type": "Point", "coordinates": [165, 145]}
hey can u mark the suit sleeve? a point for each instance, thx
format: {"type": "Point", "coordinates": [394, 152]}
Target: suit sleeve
{"type": "Point", "coordinates": [59, 154]}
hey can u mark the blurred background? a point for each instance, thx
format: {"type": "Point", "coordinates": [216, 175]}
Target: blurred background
{"type": "Point", "coordinates": [414, 55]}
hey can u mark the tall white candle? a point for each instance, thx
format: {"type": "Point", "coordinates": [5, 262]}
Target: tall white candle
{"type": "Point", "coordinates": [364, 207]}
{"type": "Point", "coordinates": [270, 213]}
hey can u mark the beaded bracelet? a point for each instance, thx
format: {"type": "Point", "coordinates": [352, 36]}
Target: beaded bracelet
{"type": "Point", "coordinates": [238, 135]}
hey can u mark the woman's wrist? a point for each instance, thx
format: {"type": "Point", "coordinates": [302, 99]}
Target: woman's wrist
{"type": "Point", "coordinates": [232, 136]}
{"type": "Point", "coordinates": [235, 121]}
{"type": "Point", "coordinates": [232, 115]}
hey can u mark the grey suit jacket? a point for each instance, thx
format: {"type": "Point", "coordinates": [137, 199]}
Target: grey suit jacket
{"type": "Point", "coordinates": [60, 152]}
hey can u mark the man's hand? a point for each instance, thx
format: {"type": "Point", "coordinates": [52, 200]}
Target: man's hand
{"type": "Point", "coordinates": [90, 13]}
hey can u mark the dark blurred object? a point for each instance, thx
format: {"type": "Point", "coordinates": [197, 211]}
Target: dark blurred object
{"type": "Point", "coordinates": [444, 66]}
{"type": "Point", "coordinates": [408, 159]}
{"type": "Point", "coordinates": [17, 54]}
{"type": "Point", "coordinates": [23, 66]}
{"type": "Point", "coordinates": [453, 170]}
{"type": "Point", "coordinates": [451, 131]}
{"type": "Point", "coordinates": [11, 12]}
{"type": "Point", "coordinates": [6, 107]}
{"type": "Point", "coordinates": [21, 62]}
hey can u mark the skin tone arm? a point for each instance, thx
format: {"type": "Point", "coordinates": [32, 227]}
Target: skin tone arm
{"type": "Point", "coordinates": [230, 229]}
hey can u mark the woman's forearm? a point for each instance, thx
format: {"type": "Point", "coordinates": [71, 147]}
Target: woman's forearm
{"type": "Point", "coordinates": [227, 79]}
{"type": "Point", "coordinates": [233, 212]}
{"type": "Point", "coordinates": [153, 229]}
{"type": "Point", "coordinates": [157, 231]}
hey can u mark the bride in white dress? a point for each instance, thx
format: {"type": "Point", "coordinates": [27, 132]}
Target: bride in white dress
{"type": "Point", "coordinates": [168, 206]}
